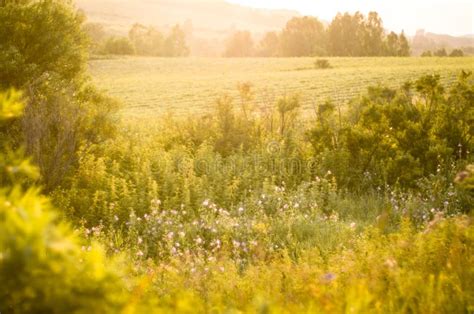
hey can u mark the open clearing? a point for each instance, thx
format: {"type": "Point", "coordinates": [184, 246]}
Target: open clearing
{"type": "Point", "coordinates": [153, 86]}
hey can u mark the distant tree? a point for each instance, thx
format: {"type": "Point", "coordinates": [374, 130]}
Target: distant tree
{"type": "Point", "coordinates": [175, 43]}
{"type": "Point", "coordinates": [456, 53]}
{"type": "Point", "coordinates": [119, 46]}
{"type": "Point", "coordinates": [391, 44]}
{"type": "Point", "coordinates": [403, 46]}
{"type": "Point", "coordinates": [356, 35]}
{"type": "Point", "coordinates": [269, 46]}
{"type": "Point", "coordinates": [303, 36]}
{"type": "Point", "coordinates": [97, 36]}
{"type": "Point", "coordinates": [441, 53]}
{"type": "Point", "coordinates": [373, 35]}
{"type": "Point", "coordinates": [240, 44]}
{"type": "Point", "coordinates": [344, 35]}
{"type": "Point", "coordinates": [427, 53]}
{"type": "Point", "coordinates": [139, 36]}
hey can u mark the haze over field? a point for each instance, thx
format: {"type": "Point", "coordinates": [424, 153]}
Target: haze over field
{"type": "Point", "coordinates": [444, 17]}
{"type": "Point", "coordinates": [209, 23]}
{"type": "Point", "coordinates": [439, 16]}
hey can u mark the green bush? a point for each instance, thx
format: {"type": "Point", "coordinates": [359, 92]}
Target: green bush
{"type": "Point", "coordinates": [42, 266]}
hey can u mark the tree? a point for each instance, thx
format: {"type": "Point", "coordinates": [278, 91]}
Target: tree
{"type": "Point", "coordinates": [119, 46]}
{"type": "Point", "coordinates": [240, 45]}
{"type": "Point", "coordinates": [175, 44]}
{"type": "Point", "coordinates": [38, 37]}
{"type": "Point", "coordinates": [391, 44]}
{"type": "Point", "coordinates": [427, 53]}
{"type": "Point", "coordinates": [404, 46]}
{"type": "Point", "coordinates": [441, 53]}
{"type": "Point", "coordinates": [373, 35]}
{"type": "Point", "coordinates": [303, 36]}
{"type": "Point", "coordinates": [456, 53]}
{"type": "Point", "coordinates": [269, 46]}
{"type": "Point", "coordinates": [42, 268]}
{"type": "Point", "coordinates": [43, 51]}
{"type": "Point", "coordinates": [345, 33]}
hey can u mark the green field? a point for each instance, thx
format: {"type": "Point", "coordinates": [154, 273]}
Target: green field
{"type": "Point", "coordinates": [153, 86]}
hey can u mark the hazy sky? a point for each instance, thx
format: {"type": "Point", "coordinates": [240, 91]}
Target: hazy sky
{"type": "Point", "coordinates": [454, 17]}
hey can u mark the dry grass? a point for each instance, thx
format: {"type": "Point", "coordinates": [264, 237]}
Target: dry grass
{"type": "Point", "coordinates": [153, 86]}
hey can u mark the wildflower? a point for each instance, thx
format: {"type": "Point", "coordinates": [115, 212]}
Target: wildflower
{"type": "Point", "coordinates": [170, 235]}
{"type": "Point", "coordinates": [329, 277]}
{"type": "Point", "coordinates": [241, 209]}
{"type": "Point", "coordinates": [140, 253]}
{"type": "Point", "coordinates": [205, 203]}
{"type": "Point", "coordinates": [181, 234]}
{"type": "Point", "coordinates": [140, 240]}
{"type": "Point", "coordinates": [199, 240]}
{"type": "Point", "coordinates": [353, 225]}
{"type": "Point", "coordinates": [116, 218]}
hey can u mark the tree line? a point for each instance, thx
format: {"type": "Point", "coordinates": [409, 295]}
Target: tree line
{"type": "Point", "coordinates": [141, 40]}
{"type": "Point", "coordinates": [346, 36]}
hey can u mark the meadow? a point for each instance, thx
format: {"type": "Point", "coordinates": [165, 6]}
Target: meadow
{"type": "Point", "coordinates": [260, 195]}
{"type": "Point", "coordinates": [154, 86]}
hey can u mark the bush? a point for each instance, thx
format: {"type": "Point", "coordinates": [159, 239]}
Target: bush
{"type": "Point", "coordinates": [427, 53]}
{"type": "Point", "coordinates": [119, 46]}
{"type": "Point", "coordinates": [42, 267]}
{"type": "Point", "coordinates": [322, 64]}
{"type": "Point", "coordinates": [456, 53]}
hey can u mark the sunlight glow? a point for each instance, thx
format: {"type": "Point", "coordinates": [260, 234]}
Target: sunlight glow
{"type": "Point", "coordinates": [439, 16]}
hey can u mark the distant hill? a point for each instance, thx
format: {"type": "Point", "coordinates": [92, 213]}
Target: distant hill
{"type": "Point", "coordinates": [208, 17]}
{"type": "Point", "coordinates": [423, 41]}
{"type": "Point", "coordinates": [207, 22]}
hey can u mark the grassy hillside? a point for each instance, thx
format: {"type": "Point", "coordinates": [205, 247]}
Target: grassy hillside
{"type": "Point", "coordinates": [153, 86]}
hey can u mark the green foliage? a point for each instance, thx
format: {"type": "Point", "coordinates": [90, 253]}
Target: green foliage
{"type": "Point", "coordinates": [42, 267]}
{"type": "Point", "coordinates": [322, 64]}
{"type": "Point", "coordinates": [441, 53]}
{"type": "Point", "coordinates": [457, 53]}
{"type": "Point", "coordinates": [395, 136]}
{"type": "Point", "coordinates": [118, 46]}
{"type": "Point", "coordinates": [427, 54]}
{"type": "Point", "coordinates": [43, 51]}
{"type": "Point", "coordinates": [38, 37]}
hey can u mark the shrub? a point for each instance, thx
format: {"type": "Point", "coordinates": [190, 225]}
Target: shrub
{"type": "Point", "coordinates": [456, 53]}
{"type": "Point", "coordinates": [42, 267]}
